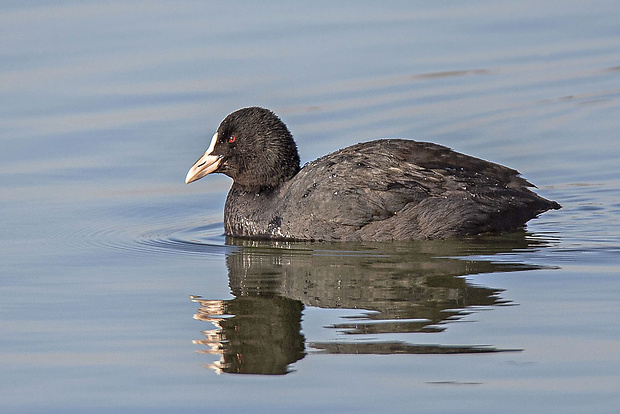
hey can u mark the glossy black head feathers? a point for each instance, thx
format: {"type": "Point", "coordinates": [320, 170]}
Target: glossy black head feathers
{"type": "Point", "coordinates": [257, 149]}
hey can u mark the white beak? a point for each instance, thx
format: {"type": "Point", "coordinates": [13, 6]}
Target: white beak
{"type": "Point", "coordinates": [205, 164]}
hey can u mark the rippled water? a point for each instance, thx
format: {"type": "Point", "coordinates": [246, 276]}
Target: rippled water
{"type": "Point", "coordinates": [119, 293]}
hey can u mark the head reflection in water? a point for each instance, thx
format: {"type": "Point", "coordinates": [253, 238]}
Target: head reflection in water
{"type": "Point", "coordinates": [404, 288]}
{"type": "Point", "coordinates": [254, 335]}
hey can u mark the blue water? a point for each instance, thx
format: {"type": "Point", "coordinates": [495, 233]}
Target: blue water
{"type": "Point", "coordinates": [119, 293]}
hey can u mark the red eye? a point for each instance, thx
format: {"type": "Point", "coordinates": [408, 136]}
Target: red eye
{"type": "Point", "coordinates": [231, 139]}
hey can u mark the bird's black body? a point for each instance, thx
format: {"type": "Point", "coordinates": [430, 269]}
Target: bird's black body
{"type": "Point", "coordinates": [389, 189]}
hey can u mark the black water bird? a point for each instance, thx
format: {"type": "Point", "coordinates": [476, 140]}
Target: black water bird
{"type": "Point", "coordinates": [388, 189]}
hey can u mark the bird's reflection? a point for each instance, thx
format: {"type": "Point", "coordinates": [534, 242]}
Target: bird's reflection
{"type": "Point", "coordinates": [255, 334]}
{"type": "Point", "coordinates": [398, 287]}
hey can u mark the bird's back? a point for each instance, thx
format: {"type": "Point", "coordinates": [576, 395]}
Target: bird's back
{"type": "Point", "coordinates": [401, 189]}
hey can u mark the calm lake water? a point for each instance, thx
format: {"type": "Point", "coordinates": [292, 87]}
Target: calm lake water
{"type": "Point", "coordinates": [118, 292]}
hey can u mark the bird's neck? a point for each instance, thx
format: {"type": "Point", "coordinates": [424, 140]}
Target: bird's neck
{"type": "Point", "coordinates": [248, 211]}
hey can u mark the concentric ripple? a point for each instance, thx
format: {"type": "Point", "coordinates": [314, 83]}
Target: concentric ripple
{"type": "Point", "coordinates": [173, 239]}
{"type": "Point", "coordinates": [205, 239]}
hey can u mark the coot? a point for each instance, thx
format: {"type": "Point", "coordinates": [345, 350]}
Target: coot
{"type": "Point", "coordinates": [389, 189]}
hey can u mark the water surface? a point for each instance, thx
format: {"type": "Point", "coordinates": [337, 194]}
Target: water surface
{"type": "Point", "coordinates": [119, 293]}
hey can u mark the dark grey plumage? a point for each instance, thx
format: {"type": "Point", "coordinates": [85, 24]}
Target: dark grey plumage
{"type": "Point", "coordinates": [390, 189]}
